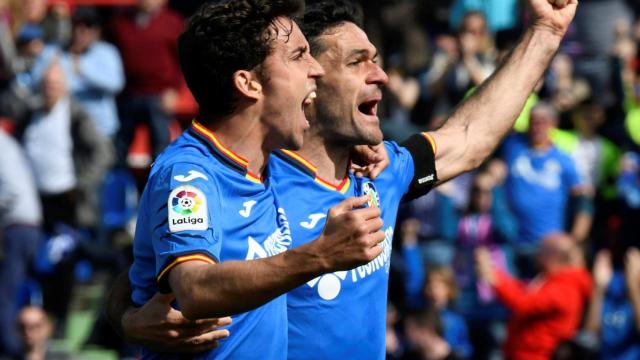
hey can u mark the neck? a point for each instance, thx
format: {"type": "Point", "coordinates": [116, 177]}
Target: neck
{"type": "Point", "coordinates": [542, 146]}
{"type": "Point", "coordinates": [246, 138]}
{"type": "Point", "coordinates": [332, 160]}
{"type": "Point", "coordinates": [36, 353]}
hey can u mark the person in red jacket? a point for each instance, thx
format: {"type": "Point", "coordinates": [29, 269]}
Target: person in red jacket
{"type": "Point", "coordinates": [547, 310]}
{"type": "Point", "coordinates": [147, 38]}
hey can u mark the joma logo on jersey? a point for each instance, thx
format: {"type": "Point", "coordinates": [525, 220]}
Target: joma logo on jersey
{"type": "Point", "coordinates": [187, 220]}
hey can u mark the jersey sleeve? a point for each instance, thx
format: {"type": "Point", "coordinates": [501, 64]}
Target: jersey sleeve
{"type": "Point", "coordinates": [420, 163]}
{"type": "Point", "coordinates": [184, 202]}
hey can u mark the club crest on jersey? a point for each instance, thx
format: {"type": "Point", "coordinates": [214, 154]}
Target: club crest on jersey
{"type": "Point", "coordinates": [187, 208]}
{"type": "Point", "coordinates": [374, 199]}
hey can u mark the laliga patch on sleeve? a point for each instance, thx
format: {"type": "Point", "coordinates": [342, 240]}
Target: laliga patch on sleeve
{"type": "Point", "coordinates": [187, 208]}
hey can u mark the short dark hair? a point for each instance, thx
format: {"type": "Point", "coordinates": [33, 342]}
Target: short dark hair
{"type": "Point", "coordinates": [321, 16]}
{"type": "Point", "coordinates": [223, 37]}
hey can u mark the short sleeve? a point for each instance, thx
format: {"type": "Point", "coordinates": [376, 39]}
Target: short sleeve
{"type": "Point", "coordinates": [184, 200]}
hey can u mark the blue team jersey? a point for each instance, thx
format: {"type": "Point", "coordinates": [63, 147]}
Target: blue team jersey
{"type": "Point", "coordinates": [538, 187]}
{"type": "Point", "coordinates": [202, 204]}
{"type": "Point", "coordinates": [339, 315]}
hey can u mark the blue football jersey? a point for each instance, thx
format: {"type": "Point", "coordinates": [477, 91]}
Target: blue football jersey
{"type": "Point", "coordinates": [202, 204]}
{"type": "Point", "coordinates": [340, 315]}
{"type": "Point", "coordinates": [538, 186]}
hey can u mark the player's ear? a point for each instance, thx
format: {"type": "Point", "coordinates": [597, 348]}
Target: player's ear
{"type": "Point", "coordinates": [247, 84]}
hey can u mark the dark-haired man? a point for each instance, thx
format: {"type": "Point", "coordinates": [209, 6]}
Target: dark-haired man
{"type": "Point", "coordinates": [342, 314]}
{"type": "Point", "coordinates": [209, 204]}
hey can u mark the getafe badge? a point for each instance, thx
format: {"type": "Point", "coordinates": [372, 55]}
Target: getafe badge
{"type": "Point", "coordinates": [369, 189]}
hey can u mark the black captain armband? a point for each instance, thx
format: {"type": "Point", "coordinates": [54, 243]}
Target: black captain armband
{"type": "Point", "coordinates": [422, 148]}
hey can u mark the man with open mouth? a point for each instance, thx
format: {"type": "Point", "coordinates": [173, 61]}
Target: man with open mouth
{"type": "Point", "coordinates": [342, 314]}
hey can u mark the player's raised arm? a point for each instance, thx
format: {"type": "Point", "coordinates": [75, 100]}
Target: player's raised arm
{"type": "Point", "coordinates": [350, 238]}
{"type": "Point", "coordinates": [477, 126]}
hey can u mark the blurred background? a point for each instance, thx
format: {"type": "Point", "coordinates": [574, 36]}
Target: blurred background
{"type": "Point", "coordinates": [91, 92]}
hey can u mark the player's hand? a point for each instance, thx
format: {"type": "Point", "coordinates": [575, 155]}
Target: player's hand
{"type": "Point", "coordinates": [632, 269]}
{"type": "Point", "coordinates": [553, 16]}
{"type": "Point", "coordinates": [369, 160]}
{"type": "Point", "coordinates": [602, 271]}
{"type": "Point", "coordinates": [351, 236]}
{"type": "Point", "coordinates": [162, 328]}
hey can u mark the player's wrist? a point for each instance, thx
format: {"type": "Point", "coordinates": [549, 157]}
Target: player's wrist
{"type": "Point", "coordinates": [311, 258]}
{"type": "Point", "coordinates": [126, 326]}
{"type": "Point", "coordinates": [545, 37]}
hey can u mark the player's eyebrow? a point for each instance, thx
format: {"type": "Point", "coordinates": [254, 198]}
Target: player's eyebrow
{"type": "Point", "coordinates": [362, 53]}
{"type": "Point", "coordinates": [299, 51]}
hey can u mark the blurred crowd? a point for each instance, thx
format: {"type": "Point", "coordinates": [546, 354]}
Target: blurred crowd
{"type": "Point", "coordinates": [534, 256]}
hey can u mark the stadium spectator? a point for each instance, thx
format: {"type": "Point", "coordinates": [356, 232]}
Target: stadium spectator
{"type": "Point", "coordinates": [614, 312]}
{"type": "Point", "coordinates": [93, 70]}
{"type": "Point", "coordinates": [592, 61]}
{"type": "Point", "coordinates": [20, 234]}
{"type": "Point", "coordinates": [549, 309]}
{"type": "Point", "coordinates": [425, 337]}
{"type": "Point", "coordinates": [36, 330]}
{"type": "Point", "coordinates": [69, 157]}
{"type": "Point", "coordinates": [563, 87]}
{"type": "Point", "coordinates": [52, 18]}
{"type": "Point", "coordinates": [147, 38]}
{"type": "Point", "coordinates": [440, 291]}
{"type": "Point", "coordinates": [437, 289]}
{"type": "Point", "coordinates": [460, 63]}
{"type": "Point", "coordinates": [480, 226]}
{"type": "Point", "coordinates": [486, 222]}
{"type": "Point", "coordinates": [540, 183]}
{"type": "Point", "coordinates": [596, 158]}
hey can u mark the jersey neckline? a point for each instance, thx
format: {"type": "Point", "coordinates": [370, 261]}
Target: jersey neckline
{"type": "Point", "coordinates": [223, 153]}
{"type": "Point", "coordinates": [311, 170]}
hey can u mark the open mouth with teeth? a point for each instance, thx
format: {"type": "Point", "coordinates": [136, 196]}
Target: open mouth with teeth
{"type": "Point", "coordinates": [369, 108]}
{"type": "Point", "coordinates": [308, 100]}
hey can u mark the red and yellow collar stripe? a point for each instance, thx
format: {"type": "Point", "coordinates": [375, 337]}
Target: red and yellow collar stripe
{"type": "Point", "coordinates": [342, 187]}
{"type": "Point", "coordinates": [228, 153]}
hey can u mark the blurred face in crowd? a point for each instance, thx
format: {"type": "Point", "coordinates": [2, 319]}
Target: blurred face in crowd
{"type": "Point", "coordinates": [34, 10]}
{"type": "Point", "coordinates": [83, 37]}
{"type": "Point", "coordinates": [289, 86]}
{"type": "Point", "coordinates": [481, 196]}
{"type": "Point", "coordinates": [348, 95]}
{"type": "Point", "coordinates": [541, 123]}
{"type": "Point", "coordinates": [53, 85]}
{"type": "Point", "coordinates": [474, 25]}
{"type": "Point", "coordinates": [150, 6]}
{"type": "Point", "coordinates": [34, 326]}
{"type": "Point", "coordinates": [557, 251]}
{"type": "Point", "coordinates": [437, 291]}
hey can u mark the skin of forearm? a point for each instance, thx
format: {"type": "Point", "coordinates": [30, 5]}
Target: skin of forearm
{"type": "Point", "coordinates": [232, 287]}
{"type": "Point", "coordinates": [634, 297]}
{"type": "Point", "coordinates": [478, 125]}
{"type": "Point", "coordinates": [594, 313]}
{"type": "Point", "coordinates": [581, 226]}
{"type": "Point", "coordinates": [118, 301]}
